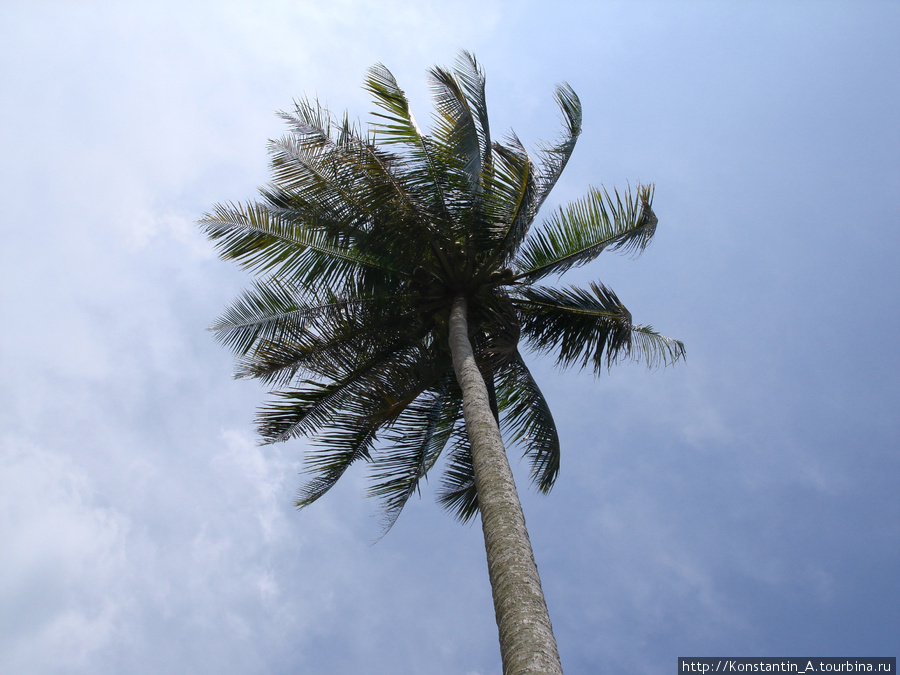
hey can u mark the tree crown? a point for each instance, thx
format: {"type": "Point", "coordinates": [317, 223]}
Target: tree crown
{"type": "Point", "coordinates": [361, 242]}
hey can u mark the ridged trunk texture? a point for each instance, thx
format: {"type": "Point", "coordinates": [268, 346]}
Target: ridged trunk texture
{"type": "Point", "coordinates": [527, 644]}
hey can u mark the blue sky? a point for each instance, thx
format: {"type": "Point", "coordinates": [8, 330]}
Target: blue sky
{"type": "Point", "coordinates": [742, 503]}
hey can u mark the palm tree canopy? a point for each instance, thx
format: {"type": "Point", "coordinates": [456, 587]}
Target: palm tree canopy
{"type": "Point", "coordinates": [361, 242]}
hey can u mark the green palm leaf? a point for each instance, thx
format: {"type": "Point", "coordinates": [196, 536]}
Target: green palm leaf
{"type": "Point", "coordinates": [457, 493]}
{"type": "Point", "coordinates": [267, 243]}
{"type": "Point", "coordinates": [556, 156]}
{"type": "Point", "coordinates": [578, 233]}
{"type": "Point", "coordinates": [304, 165]}
{"type": "Point", "coordinates": [461, 122]}
{"type": "Point", "coordinates": [425, 166]}
{"type": "Point", "coordinates": [301, 412]}
{"type": "Point", "coordinates": [339, 342]}
{"type": "Point", "coordinates": [413, 444]}
{"type": "Point", "coordinates": [471, 76]}
{"type": "Point", "coordinates": [589, 326]}
{"type": "Point", "coordinates": [514, 193]}
{"type": "Point", "coordinates": [383, 181]}
{"type": "Point", "coordinates": [272, 312]}
{"type": "Point", "coordinates": [266, 311]}
{"type": "Point", "coordinates": [529, 422]}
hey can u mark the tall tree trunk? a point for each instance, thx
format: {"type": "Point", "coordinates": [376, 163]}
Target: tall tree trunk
{"type": "Point", "coordinates": [527, 644]}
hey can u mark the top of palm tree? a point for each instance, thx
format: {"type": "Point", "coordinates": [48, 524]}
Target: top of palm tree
{"type": "Point", "coordinates": [361, 242]}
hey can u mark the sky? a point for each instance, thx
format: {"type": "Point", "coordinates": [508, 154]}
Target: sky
{"type": "Point", "coordinates": [742, 503]}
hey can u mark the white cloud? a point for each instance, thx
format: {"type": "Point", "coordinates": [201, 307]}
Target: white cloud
{"type": "Point", "coordinates": [64, 560]}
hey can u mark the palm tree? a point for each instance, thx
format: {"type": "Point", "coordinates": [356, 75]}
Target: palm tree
{"type": "Point", "coordinates": [398, 276]}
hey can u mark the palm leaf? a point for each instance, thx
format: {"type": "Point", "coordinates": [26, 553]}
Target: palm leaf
{"type": "Point", "coordinates": [328, 469]}
{"type": "Point", "coordinates": [461, 122]}
{"type": "Point", "coordinates": [264, 312]}
{"type": "Point", "coordinates": [382, 178]}
{"type": "Point", "coordinates": [267, 243]}
{"type": "Point", "coordinates": [318, 160]}
{"type": "Point", "coordinates": [272, 310]}
{"type": "Point", "coordinates": [513, 192]}
{"type": "Point", "coordinates": [413, 444]}
{"type": "Point", "coordinates": [421, 172]}
{"type": "Point", "coordinates": [347, 335]}
{"type": "Point", "coordinates": [577, 234]}
{"type": "Point", "coordinates": [529, 422]}
{"type": "Point", "coordinates": [376, 388]}
{"type": "Point", "coordinates": [457, 493]}
{"type": "Point", "coordinates": [555, 157]}
{"type": "Point", "coordinates": [471, 76]}
{"type": "Point", "coordinates": [589, 326]}
{"type": "Point", "coordinates": [330, 457]}
{"type": "Point", "coordinates": [353, 412]}
{"type": "Point", "coordinates": [329, 168]}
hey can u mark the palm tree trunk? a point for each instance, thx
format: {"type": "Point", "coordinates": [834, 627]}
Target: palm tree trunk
{"type": "Point", "coordinates": [527, 644]}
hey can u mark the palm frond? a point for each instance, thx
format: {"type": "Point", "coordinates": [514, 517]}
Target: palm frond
{"type": "Point", "coordinates": [314, 122]}
{"type": "Point", "coordinates": [346, 335]}
{"type": "Point", "coordinates": [375, 387]}
{"type": "Point", "coordinates": [511, 201]}
{"type": "Point", "coordinates": [589, 326]}
{"type": "Point", "coordinates": [461, 122]}
{"type": "Point", "coordinates": [330, 457]}
{"type": "Point", "coordinates": [412, 444]}
{"type": "Point", "coordinates": [457, 493]}
{"type": "Point", "coordinates": [398, 125]}
{"type": "Point", "coordinates": [556, 156]}
{"type": "Point", "coordinates": [312, 184]}
{"type": "Point", "coordinates": [578, 233]}
{"type": "Point", "coordinates": [421, 172]}
{"type": "Point", "coordinates": [332, 169]}
{"type": "Point", "coordinates": [302, 411]}
{"type": "Point", "coordinates": [265, 311]}
{"type": "Point", "coordinates": [317, 159]}
{"type": "Point", "coordinates": [403, 400]}
{"type": "Point", "coordinates": [352, 413]}
{"type": "Point", "coordinates": [471, 76]}
{"type": "Point", "coordinates": [267, 243]}
{"type": "Point", "coordinates": [529, 422]}
{"type": "Point", "coordinates": [654, 349]}
{"type": "Point", "coordinates": [271, 311]}
{"type": "Point", "coordinates": [385, 182]}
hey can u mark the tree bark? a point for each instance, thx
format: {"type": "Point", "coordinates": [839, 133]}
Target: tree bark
{"type": "Point", "coordinates": [527, 644]}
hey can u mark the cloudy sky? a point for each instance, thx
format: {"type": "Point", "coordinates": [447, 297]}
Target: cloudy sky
{"type": "Point", "coordinates": [743, 503]}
